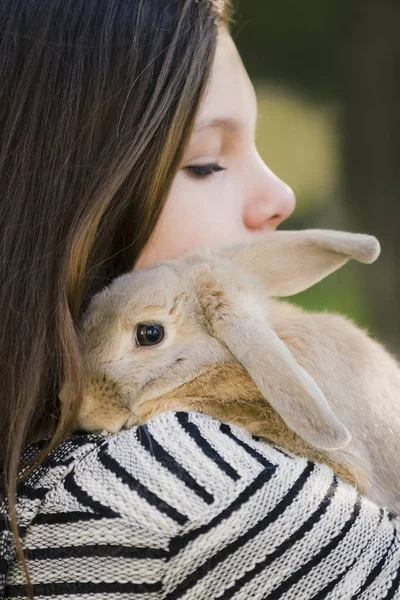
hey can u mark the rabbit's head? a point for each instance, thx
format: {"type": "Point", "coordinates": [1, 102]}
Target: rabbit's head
{"type": "Point", "coordinates": [153, 331]}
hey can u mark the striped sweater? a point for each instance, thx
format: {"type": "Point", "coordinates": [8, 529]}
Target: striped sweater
{"type": "Point", "coordinates": [187, 508]}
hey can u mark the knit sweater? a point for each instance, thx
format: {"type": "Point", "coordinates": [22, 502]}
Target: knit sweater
{"type": "Point", "coordinates": [188, 508]}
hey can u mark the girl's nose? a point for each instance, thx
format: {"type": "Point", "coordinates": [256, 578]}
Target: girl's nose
{"type": "Point", "coordinates": [270, 202]}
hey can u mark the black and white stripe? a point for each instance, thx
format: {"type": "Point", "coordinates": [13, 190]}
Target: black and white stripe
{"type": "Point", "coordinates": [187, 508]}
{"type": "Point", "coordinates": [169, 462]}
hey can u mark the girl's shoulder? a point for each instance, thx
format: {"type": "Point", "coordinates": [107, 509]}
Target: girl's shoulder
{"type": "Point", "coordinates": [146, 487]}
{"type": "Point", "coordinates": [189, 507]}
{"type": "Point", "coordinates": [177, 464]}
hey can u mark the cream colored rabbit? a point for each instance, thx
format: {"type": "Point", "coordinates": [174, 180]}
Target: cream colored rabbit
{"type": "Point", "coordinates": [202, 333]}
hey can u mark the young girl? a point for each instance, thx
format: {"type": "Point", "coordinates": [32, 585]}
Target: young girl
{"type": "Point", "coordinates": [127, 137]}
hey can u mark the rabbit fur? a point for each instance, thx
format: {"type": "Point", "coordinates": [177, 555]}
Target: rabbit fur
{"type": "Point", "coordinates": [311, 383]}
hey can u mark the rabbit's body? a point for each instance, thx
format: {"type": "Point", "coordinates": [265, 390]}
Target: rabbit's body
{"type": "Point", "coordinates": [228, 394]}
{"type": "Point", "coordinates": [302, 380]}
{"type": "Point", "coordinates": [355, 373]}
{"type": "Point", "coordinates": [361, 382]}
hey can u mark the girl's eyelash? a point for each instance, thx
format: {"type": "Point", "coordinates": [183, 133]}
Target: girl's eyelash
{"type": "Point", "coordinates": [201, 171]}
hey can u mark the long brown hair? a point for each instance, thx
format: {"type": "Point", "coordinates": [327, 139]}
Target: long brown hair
{"type": "Point", "coordinates": [97, 100]}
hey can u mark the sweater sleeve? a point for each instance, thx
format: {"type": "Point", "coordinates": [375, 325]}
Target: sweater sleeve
{"type": "Point", "coordinates": [189, 508]}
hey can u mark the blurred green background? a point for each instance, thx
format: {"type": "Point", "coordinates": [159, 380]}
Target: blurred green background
{"type": "Point", "coordinates": [327, 76]}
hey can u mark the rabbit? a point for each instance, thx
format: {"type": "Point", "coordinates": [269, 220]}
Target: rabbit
{"type": "Point", "coordinates": [206, 333]}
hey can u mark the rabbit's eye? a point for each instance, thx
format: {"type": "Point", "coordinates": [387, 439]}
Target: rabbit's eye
{"type": "Point", "coordinates": [149, 335]}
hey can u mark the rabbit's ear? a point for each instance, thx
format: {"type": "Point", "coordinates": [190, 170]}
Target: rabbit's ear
{"type": "Point", "coordinates": [292, 261]}
{"type": "Point", "coordinates": [290, 390]}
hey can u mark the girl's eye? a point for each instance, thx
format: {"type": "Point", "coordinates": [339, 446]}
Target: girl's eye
{"type": "Point", "coordinates": [149, 334]}
{"type": "Point", "coordinates": [201, 171]}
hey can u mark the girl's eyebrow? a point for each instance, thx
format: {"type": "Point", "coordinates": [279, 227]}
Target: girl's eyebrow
{"type": "Point", "coordinates": [230, 124]}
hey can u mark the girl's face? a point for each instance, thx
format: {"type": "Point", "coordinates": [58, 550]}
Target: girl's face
{"type": "Point", "coordinates": [223, 193]}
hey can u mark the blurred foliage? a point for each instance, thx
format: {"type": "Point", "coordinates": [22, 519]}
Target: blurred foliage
{"type": "Point", "coordinates": [324, 72]}
{"type": "Point", "coordinates": [291, 41]}
{"type": "Point", "coordinates": [298, 140]}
